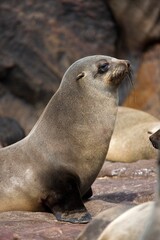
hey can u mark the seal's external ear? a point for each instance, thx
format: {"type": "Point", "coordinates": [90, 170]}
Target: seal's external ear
{"type": "Point", "coordinates": [80, 76]}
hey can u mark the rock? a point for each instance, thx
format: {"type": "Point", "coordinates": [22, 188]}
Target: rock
{"type": "Point", "coordinates": [139, 169]}
{"type": "Point", "coordinates": [136, 35]}
{"type": "Point", "coordinates": [11, 106]}
{"type": "Point", "coordinates": [146, 93]}
{"type": "Point", "coordinates": [27, 225]}
{"type": "Point", "coordinates": [10, 131]}
{"type": "Point", "coordinates": [126, 182]}
{"type": "Point", "coordinates": [140, 31]}
{"type": "Point", "coordinates": [39, 41]}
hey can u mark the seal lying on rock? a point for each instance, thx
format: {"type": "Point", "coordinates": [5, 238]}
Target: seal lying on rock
{"type": "Point", "coordinates": [54, 167]}
{"type": "Point", "coordinates": [129, 225]}
{"type": "Point", "coordinates": [155, 140]}
{"type": "Point", "coordinates": [152, 228]}
{"type": "Point", "coordinates": [101, 221]}
{"type": "Point", "coordinates": [130, 139]}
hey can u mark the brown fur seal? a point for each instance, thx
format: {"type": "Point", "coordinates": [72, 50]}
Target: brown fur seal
{"type": "Point", "coordinates": [101, 221]}
{"type": "Point", "coordinates": [152, 228]}
{"type": "Point", "coordinates": [56, 164]}
{"type": "Point", "coordinates": [129, 225]}
{"type": "Point", "coordinates": [155, 140]}
{"type": "Point", "coordinates": [130, 139]}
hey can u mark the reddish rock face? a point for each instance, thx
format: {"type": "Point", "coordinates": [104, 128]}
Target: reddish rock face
{"type": "Point", "coordinates": [40, 40]}
{"type": "Point", "coordinates": [146, 93]}
{"type": "Point", "coordinates": [139, 24]}
{"type": "Point", "coordinates": [139, 39]}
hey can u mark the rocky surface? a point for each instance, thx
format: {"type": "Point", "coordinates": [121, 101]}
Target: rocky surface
{"type": "Point", "coordinates": [146, 92]}
{"type": "Point", "coordinates": [139, 32]}
{"type": "Point", "coordinates": [117, 184]}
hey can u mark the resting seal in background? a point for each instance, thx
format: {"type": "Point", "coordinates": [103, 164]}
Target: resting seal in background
{"type": "Point", "coordinates": [56, 164]}
{"type": "Point", "coordinates": [129, 225]}
{"type": "Point", "coordinates": [130, 139]}
{"type": "Point", "coordinates": [152, 228]}
{"type": "Point", "coordinates": [101, 221]}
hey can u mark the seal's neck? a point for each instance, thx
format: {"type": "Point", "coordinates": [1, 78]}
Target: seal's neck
{"type": "Point", "coordinates": [76, 107]}
{"type": "Point", "coordinates": [78, 120]}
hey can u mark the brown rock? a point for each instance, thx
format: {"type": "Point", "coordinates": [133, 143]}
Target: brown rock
{"type": "Point", "coordinates": [139, 23]}
{"type": "Point", "coordinates": [24, 113]}
{"type": "Point", "coordinates": [26, 225]}
{"type": "Point", "coordinates": [146, 93]}
{"type": "Point", "coordinates": [126, 182]}
{"type": "Point", "coordinates": [39, 40]}
{"type": "Point", "coordinates": [139, 169]}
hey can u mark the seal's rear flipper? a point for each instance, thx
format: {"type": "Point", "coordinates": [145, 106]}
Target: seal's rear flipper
{"type": "Point", "coordinates": [65, 200]}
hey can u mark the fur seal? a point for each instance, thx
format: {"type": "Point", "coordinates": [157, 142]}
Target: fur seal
{"type": "Point", "coordinates": [152, 229]}
{"type": "Point", "coordinates": [54, 166]}
{"type": "Point", "coordinates": [155, 140]}
{"type": "Point", "coordinates": [101, 221]}
{"type": "Point", "coordinates": [129, 225]}
{"type": "Point", "coordinates": [130, 139]}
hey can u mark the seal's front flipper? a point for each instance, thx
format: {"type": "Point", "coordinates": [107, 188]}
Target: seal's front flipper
{"type": "Point", "coordinates": [74, 217]}
{"type": "Point", "coordinates": [71, 208]}
{"type": "Point", "coordinates": [65, 200]}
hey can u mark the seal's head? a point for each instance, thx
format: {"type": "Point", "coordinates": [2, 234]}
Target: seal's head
{"type": "Point", "coordinates": [155, 139]}
{"type": "Point", "coordinates": [97, 71]}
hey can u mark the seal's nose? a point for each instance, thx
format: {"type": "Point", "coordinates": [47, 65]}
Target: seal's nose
{"type": "Point", "coordinates": [125, 63]}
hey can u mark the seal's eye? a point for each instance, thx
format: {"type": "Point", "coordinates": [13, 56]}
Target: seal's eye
{"type": "Point", "coordinates": [103, 68]}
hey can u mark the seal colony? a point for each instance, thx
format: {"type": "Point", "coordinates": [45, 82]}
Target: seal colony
{"type": "Point", "coordinates": [54, 167]}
